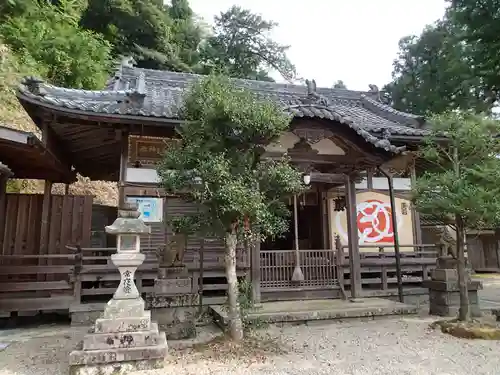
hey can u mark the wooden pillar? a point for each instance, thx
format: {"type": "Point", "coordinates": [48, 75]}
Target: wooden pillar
{"type": "Point", "coordinates": [417, 230]}
{"type": "Point", "coordinates": [353, 238]}
{"type": "Point", "coordinates": [3, 207]}
{"type": "Point", "coordinates": [324, 217]}
{"type": "Point", "coordinates": [255, 272]}
{"type": "Point", "coordinates": [45, 224]}
{"type": "Point", "coordinates": [123, 169]}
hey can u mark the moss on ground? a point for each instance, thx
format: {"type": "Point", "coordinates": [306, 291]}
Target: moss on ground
{"type": "Point", "coordinates": [468, 330]}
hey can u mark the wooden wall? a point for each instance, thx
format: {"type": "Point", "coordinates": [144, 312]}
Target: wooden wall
{"type": "Point", "coordinates": [69, 224]}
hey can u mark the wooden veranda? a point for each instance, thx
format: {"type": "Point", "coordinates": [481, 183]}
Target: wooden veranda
{"type": "Point", "coordinates": [338, 137]}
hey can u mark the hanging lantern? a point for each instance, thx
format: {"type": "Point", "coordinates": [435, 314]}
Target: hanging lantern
{"type": "Point", "coordinates": [339, 203]}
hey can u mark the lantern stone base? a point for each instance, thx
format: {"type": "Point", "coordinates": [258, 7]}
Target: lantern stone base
{"type": "Point", "coordinates": [174, 304]}
{"type": "Point", "coordinates": [444, 294]}
{"type": "Point", "coordinates": [124, 339]}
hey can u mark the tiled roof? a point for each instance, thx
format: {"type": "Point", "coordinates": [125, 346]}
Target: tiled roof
{"type": "Point", "coordinates": [154, 93]}
{"type": "Point", "coordinates": [5, 170]}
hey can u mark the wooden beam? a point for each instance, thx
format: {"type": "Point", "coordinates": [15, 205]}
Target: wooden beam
{"type": "Point", "coordinates": [54, 147]}
{"type": "Point", "coordinates": [353, 238]}
{"type": "Point", "coordinates": [3, 207]}
{"type": "Point", "coordinates": [123, 169]}
{"type": "Point", "coordinates": [45, 223]}
{"type": "Point", "coordinates": [417, 229]}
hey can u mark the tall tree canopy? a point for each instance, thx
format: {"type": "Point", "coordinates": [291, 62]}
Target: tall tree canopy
{"type": "Point", "coordinates": [242, 48]}
{"type": "Point", "coordinates": [217, 164]}
{"type": "Point", "coordinates": [433, 74]}
{"type": "Point", "coordinates": [479, 23]}
{"type": "Point", "coordinates": [49, 35]}
{"type": "Point", "coordinates": [463, 184]}
{"type": "Point", "coordinates": [139, 28]}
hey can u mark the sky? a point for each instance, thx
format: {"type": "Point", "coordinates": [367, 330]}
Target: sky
{"type": "Point", "coordinates": [355, 41]}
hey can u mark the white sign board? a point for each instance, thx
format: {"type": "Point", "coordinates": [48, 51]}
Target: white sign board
{"type": "Point", "coordinates": [151, 209]}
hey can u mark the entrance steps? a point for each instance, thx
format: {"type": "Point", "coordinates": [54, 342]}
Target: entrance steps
{"type": "Point", "coordinates": [310, 310]}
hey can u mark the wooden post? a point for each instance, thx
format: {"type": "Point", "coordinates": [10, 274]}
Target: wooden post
{"type": "Point", "coordinates": [324, 219]}
{"type": "Point", "coordinates": [45, 224]}
{"type": "Point", "coordinates": [123, 169]}
{"type": "Point", "coordinates": [255, 271]}
{"type": "Point", "coordinates": [395, 233]}
{"type": "Point", "coordinates": [297, 275]}
{"type": "Point", "coordinates": [3, 206]}
{"type": "Point", "coordinates": [353, 238]}
{"type": "Point", "coordinates": [417, 230]}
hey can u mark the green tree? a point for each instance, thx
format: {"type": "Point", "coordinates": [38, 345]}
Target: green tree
{"type": "Point", "coordinates": [218, 165]}
{"type": "Point", "coordinates": [433, 74]}
{"type": "Point", "coordinates": [50, 36]}
{"type": "Point", "coordinates": [339, 84]}
{"type": "Point", "coordinates": [241, 47]}
{"type": "Point", "coordinates": [479, 23]}
{"type": "Point", "coordinates": [463, 185]}
{"type": "Point", "coordinates": [186, 33]}
{"type": "Point", "coordinates": [142, 29]}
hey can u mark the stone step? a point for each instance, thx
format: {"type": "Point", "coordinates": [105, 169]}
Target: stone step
{"type": "Point", "coordinates": [94, 357]}
{"type": "Point", "coordinates": [124, 308]}
{"type": "Point", "coordinates": [132, 324]}
{"type": "Point", "coordinates": [98, 341]}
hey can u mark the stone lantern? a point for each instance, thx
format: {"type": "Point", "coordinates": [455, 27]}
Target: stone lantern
{"type": "Point", "coordinates": [124, 339]}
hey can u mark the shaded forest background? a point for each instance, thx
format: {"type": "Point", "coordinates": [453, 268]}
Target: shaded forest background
{"type": "Point", "coordinates": [453, 64]}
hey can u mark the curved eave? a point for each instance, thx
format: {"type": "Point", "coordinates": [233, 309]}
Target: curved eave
{"type": "Point", "coordinates": [415, 121]}
{"type": "Point", "coordinates": [323, 112]}
{"type": "Point", "coordinates": [93, 115]}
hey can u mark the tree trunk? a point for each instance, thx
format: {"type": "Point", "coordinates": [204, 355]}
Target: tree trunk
{"type": "Point", "coordinates": [235, 323]}
{"type": "Point", "coordinates": [463, 313]}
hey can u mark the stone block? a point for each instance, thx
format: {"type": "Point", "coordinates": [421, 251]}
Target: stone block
{"type": "Point", "coordinates": [177, 322]}
{"type": "Point", "coordinates": [171, 287]}
{"type": "Point", "coordinates": [444, 298]}
{"type": "Point", "coordinates": [446, 262]}
{"type": "Point", "coordinates": [122, 339]}
{"type": "Point", "coordinates": [117, 368]}
{"type": "Point", "coordinates": [132, 324]}
{"type": "Point", "coordinates": [93, 357]}
{"type": "Point", "coordinates": [119, 308]}
{"type": "Point", "coordinates": [444, 275]}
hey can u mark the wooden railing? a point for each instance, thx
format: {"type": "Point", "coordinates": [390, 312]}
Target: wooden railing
{"type": "Point", "coordinates": [36, 282]}
{"type": "Point", "coordinates": [277, 266]}
{"type": "Point", "coordinates": [378, 266]}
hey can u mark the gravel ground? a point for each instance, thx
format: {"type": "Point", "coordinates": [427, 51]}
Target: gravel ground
{"type": "Point", "coordinates": [387, 346]}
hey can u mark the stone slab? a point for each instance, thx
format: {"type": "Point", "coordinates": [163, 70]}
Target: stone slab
{"type": "Point", "coordinates": [119, 308]}
{"type": "Point", "coordinates": [93, 357]}
{"type": "Point", "coordinates": [117, 368]}
{"type": "Point", "coordinates": [132, 324]}
{"type": "Point", "coordinates": [302, 311]}
{"type": "Point", "coordinates": [444, 275]}
{"type": "Point", "coordinates": [117, 340]}
{"type": "Point", "coordinates": [177, 322]}
{"type": "Point", "coordinates": [451, 286]}
{"type": "Point", "coordinates": [173, 286]}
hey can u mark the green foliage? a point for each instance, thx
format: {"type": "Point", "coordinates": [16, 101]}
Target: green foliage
{"type": "Point", "coordinates": [247, 305]}
{"type": "Point", "coordinates": [218, 162]}
{"type": "Point", "coordinates": [141, 29]}
{"type": "Point", "coordinates": [464, 179]}
{"type": "Point", "coordinates": [50, 36]}
{"type": "Point", "coordinates": [479, 22]}
{"type": "Point", "coordinates": [433, 74]}
{"type": "Point", "coordinates": [241, 47]}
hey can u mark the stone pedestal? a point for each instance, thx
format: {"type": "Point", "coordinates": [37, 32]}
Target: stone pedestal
{"type": "Point", "coordinates": [444, 295]}
{"type": "Point", "coordinates": [123, 339]}
{"type": "Point", "coordinates": [174, 304]}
